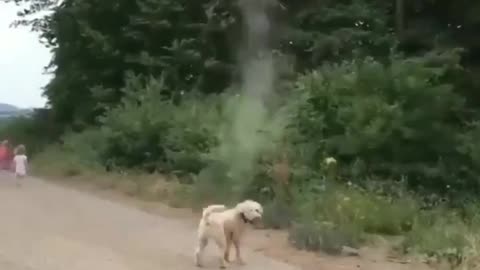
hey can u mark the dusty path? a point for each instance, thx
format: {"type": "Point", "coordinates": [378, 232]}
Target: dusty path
{"type": "Point", "coordinates": [47, 227]}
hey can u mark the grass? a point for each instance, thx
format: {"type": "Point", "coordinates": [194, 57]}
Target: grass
{"type": "Point", "coordinates": [316, 236]}
{"type": "Point", "coordinates": [152, 187]}
{"type": "Point", "coordinates": [318, 221]}
{"type": "Point", "coordinates": [278, 215]}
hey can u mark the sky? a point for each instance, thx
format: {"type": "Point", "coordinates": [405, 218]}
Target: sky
{"type": "Point", "coordinates": [22, 59]}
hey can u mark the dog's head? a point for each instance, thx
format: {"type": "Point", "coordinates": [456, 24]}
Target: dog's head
{"type": "Point", "coordinates": [250, 210]}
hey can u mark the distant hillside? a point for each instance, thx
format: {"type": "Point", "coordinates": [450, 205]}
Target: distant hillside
{"type": "Point", "coordinates": [7, 110]}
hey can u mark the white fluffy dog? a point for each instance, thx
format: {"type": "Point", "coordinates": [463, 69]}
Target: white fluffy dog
{"type": "Point", "coordinates": [226, 227]}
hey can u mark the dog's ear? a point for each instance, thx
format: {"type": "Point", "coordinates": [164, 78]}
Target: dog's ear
{"type": "Point", "coordinates": [240, 207]}
{"type": "Point", "coordinates": [260, 209]}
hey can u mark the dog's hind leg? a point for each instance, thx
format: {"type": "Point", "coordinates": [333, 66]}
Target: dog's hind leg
{"type": "Point", "coordinates": [202, 244]}
{"type": "Point", "coordinates": [222, 245]}
{"type": "Point", "coordinates": [229, 238]}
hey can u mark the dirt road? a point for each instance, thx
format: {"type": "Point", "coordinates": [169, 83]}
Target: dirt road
{"type": "Point", "coordinates": [47, 227]}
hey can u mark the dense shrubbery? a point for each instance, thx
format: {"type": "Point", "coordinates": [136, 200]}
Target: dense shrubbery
{"type": "Point", "coordinates": [397, 121]}
{"type": "Point", "coordinates": [390, 121]}
{"type": "Point", "coordinates": [163, 136]}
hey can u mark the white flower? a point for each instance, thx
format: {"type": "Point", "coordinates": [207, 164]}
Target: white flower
{"type": "Point", "coordinates": [330, 160]}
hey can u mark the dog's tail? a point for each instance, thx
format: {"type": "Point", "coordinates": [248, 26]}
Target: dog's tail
{"type": "Point", "coordinates": [215, 208]}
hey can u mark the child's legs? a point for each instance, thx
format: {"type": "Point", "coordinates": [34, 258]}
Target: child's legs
{"type": "Point", "coordinates": [19, 177]}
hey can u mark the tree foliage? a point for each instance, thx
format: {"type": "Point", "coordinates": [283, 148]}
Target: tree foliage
{"type": "Point", "coordinates": [195, 43]}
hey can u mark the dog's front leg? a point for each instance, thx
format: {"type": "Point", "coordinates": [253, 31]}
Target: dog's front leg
{"type": "Point", "coordinates": [236, 243]}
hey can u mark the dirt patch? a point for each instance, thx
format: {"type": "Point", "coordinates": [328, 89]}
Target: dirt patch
{"type": "Point", "coordinates": [48, 226]}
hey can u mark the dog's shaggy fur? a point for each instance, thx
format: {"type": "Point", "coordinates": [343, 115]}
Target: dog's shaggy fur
{"type": "Point", "coordinates": [226, 227]}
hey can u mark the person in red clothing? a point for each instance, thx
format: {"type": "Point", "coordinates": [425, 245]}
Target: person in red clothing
{"type": "Point", "coordinates": [10, 155]}
{"type": "Point", "coordinates": [4, 155]}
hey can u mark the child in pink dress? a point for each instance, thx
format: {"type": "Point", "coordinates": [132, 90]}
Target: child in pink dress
{"type": "Point", "coordinates": [20, 162]}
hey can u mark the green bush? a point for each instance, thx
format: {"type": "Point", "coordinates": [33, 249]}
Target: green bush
{"type": "Point", "coordinates": [151, 133]}
{"type": "Point", "coordinates": [78, 153]}
{"type": "Point", "coordinates": [56, 161]}
{"type": "Point", "coordinates": [391, 121]}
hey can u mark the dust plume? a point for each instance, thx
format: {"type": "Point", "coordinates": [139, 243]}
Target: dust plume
{"type": "Point", "coordinates": [251, 127]}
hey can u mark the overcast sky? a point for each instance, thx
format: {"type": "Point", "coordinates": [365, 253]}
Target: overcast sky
{"type": "Point", "coordinates": [22, 59]}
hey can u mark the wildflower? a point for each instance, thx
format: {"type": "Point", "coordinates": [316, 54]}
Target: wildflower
{"type": "Point", "coordinates": [330, 160]}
